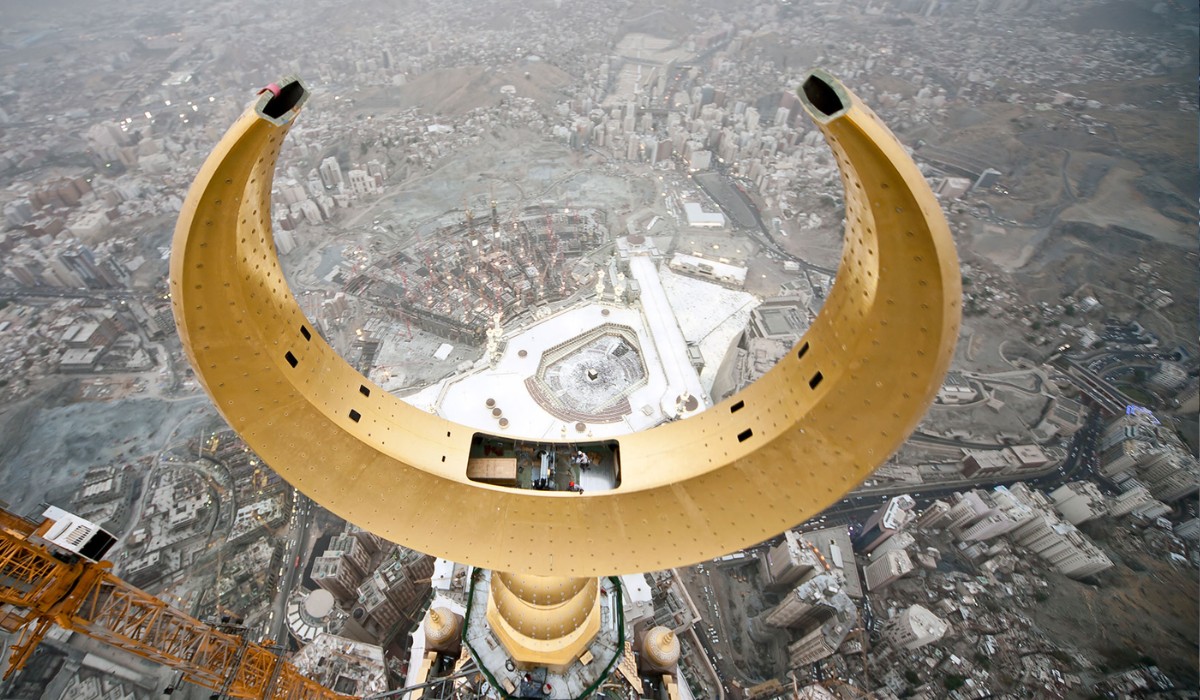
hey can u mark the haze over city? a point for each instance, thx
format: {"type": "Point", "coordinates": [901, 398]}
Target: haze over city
{"type": "Point", "coordinates": [558, 223]}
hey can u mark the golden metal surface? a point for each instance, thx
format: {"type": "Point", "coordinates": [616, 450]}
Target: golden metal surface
{"type": "Point", "coordinates": [442, 627]}
{"type": "Point", "coordinates": [627, 669]}
{"type": "Point", "coordinates": [660, 649]}
{"type": "Point", "coordinates": [765, 459]}
{"type": "Point", "coordinates": [543, 620]}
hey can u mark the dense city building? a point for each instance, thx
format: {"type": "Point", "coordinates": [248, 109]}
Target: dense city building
{"type": "Point", "coordinates": [463, 180]}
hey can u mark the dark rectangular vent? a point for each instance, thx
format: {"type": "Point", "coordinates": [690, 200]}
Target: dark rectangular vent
{"type": "Point", "coordinates": [816, 379]}
{"type": "Point", "coordinates": [745, 435]}
{"type": "Point", "coordinates": [355, 415]}
{"type": "Point", "coordinates": [288, 97]}
{"type": "Point", "coordinates": [737, 407]}
{"type": "Point", "coordinates": [98, 545]}
{"type": "Point", "coordinates": [291, 359]}
{"type": "Point", "coordinates": [305, 332]}
{"type": "Point", "coordinates": [802, 351]}
{"type": "Point", "coordinates": [364, 390]}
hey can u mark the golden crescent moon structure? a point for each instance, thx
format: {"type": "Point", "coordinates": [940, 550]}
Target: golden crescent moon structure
{"type": "Point", "coordinates": [790, 444]}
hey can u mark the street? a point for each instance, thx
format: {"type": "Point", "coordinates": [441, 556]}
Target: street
{"type": "Point", "coordinates": [290, 566]}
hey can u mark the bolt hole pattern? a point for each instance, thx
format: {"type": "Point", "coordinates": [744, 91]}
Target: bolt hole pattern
{"type": "Point", "coordinates": [394, 473]}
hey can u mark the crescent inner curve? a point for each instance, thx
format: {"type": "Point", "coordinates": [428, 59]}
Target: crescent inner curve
{"type": "Point", "coordinates": [785, 447]}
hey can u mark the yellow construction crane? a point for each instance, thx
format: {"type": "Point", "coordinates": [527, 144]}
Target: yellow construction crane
{"type": "Point", "coordinates": [44, 583]}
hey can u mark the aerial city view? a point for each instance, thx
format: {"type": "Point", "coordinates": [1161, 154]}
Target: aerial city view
{"type": "Point", "coordinates": [258, 257]}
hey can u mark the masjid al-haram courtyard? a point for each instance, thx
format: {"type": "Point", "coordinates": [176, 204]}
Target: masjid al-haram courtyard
{"type": "Point", "coordinates": [602, 367]}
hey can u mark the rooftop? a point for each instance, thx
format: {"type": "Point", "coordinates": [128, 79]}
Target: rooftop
{"type": "Point", "coordinates": [834, 545]}
{"type": "Point", "coordinates": [696, 216]}
{"type": "Point", "coordinates": [346, 666]}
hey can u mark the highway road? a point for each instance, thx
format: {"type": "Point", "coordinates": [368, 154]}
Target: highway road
{"type": "Point", "coordinates": [76, 293]}
{"type": "Point", "coordinates": [291, 566]}
{"type": "Point", "coordinates": [712, 629]}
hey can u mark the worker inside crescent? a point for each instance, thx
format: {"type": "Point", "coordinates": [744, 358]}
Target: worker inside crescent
{"type": "Point", "coordinates": [544, 466]}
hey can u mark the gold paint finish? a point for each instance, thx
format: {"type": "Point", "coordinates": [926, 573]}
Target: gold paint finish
{"type": "Point", "coordinates": [544, 590]}
{"type": "Point", "coordinates": [443, 628]}
{"type": "Point", "coordinates": [774, 454]}
{"type": "Point", "coordinates": [548, 626]}
{"type": "Point", "coordinates": [660, 649]}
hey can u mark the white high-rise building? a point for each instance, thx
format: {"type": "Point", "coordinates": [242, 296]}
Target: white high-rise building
{"type": "Point", "coordinates": [1161, 467]}
{"type": "Point", "coordinates": [1140, 425]}
{"type": "Point", "coordinates": [936, 514]}
{"type": "Point", "coordinates": [901, 541]}
{"type": "Point", "coordinates": [885, 522]}
{"type": "Point", "coordinates": [1189, 529]}
{"type": "Point", "coordinates": [988, 514]}
{"type": "Point", "coordinates": [1079, 502]}
{"type": "Point", "coordinates": [1062, 546]}
{"type": "Point", "coordinates": [993, 525]}
{"type": "Point", "coordinates": [822, 641]}
{"type": "Point", "coordinates": [751, 119]}
{"type": "Point", "coordinates": [284, 223]}
{"type": "Point", "coordinates": [914, 628]}
{"type": "Point", "coordinates": [1134, 496]}
{"type": "Point", "coordinates": [887, 568]}
{"type": "Point", "coordinates": [1126, 456]}
{"type": "Point", "coordinates": [1183, 481]}
{"type": "Point", "coordinates": [1151, 509]}
{"type": "Point", "coordinates": [789, 561]}
{"type": "Point", "coordinates": [361, 183]}
{"type": "Point", "coordinates": [812, 601]}
{"type": "Point", "coordinates": [968, 508]}
{"type": "Point", "coordinates": [331, 174]}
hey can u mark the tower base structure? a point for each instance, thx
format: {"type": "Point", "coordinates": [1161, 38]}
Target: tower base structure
{"type": "Point", "coordinates": [504, 631]}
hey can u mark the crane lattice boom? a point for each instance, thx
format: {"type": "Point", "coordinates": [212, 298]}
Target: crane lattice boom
{"type": "Point", "coordinates": [40, 587]}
